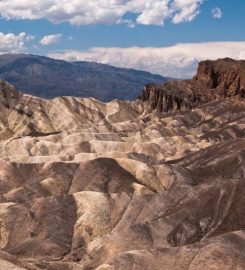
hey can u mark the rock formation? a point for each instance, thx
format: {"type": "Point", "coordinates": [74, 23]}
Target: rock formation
{"type": "Point", "coordinates": [214, 80]}
{"type": "Point", "coordinates": [125, 185]}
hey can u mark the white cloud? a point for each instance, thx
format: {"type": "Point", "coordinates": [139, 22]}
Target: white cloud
{"type": "Point", "coordinates": [217, 13]}
{"type": "Point", "coordinates": [84, 12]}
{"type": "Point", "coordinates": [179, 61]}
{"type": "Point", "coordinates": [50, 39]}
{"type": "Point", "coordinates": [11, 43]}
{"type": "Point", "coordinates": [187, 10]}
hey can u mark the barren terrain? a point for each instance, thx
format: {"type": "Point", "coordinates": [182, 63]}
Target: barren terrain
{"type": "Point", "coordinates": [125, 185]}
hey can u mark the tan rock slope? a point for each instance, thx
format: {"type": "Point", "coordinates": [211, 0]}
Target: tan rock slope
{"type": "Point", "coordinates": [126, 185]}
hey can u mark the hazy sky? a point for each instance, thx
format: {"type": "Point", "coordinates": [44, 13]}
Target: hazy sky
{"type": "Point", "coordinates": [162, 36]}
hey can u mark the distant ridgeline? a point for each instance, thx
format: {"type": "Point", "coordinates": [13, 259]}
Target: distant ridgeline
{"type": "Point", "coordinates": [49, 78]}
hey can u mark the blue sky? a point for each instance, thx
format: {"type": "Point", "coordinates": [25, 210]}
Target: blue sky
{"type": "Point", "coordinates": [97, 31]}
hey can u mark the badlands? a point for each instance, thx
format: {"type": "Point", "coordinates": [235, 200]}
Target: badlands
{"type": "Point", "coordinates": [153, 184]}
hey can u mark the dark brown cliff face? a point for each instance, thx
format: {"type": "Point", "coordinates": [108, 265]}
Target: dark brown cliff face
{"type": "Point", "coordinates": [214, 80]}
{"type": "Point", "coordinates": [227, 76]}
{"type": "Point", "coordinates": [166, 100]}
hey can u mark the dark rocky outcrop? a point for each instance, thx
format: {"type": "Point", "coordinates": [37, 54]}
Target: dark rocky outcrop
{"type": "Point", "coordinates": [227, 76]}
{"type": "Point", "coordinates": [165, 100]}
{"type": "Point", "coordinates": [8, 95]}
{"type": "Point", "coordinates": [214, 80]}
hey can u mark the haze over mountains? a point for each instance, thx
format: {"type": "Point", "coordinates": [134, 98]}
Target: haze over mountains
{"type": "Point", "coordinates": [49, 78]}
{"type": "Point", "coordinates": [156, 183]}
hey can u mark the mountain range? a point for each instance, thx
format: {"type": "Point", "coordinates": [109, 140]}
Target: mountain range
{"type": "Point", "coordinates": [48, 78]}
{"type": "Point", "coordinates": [154, 183]}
